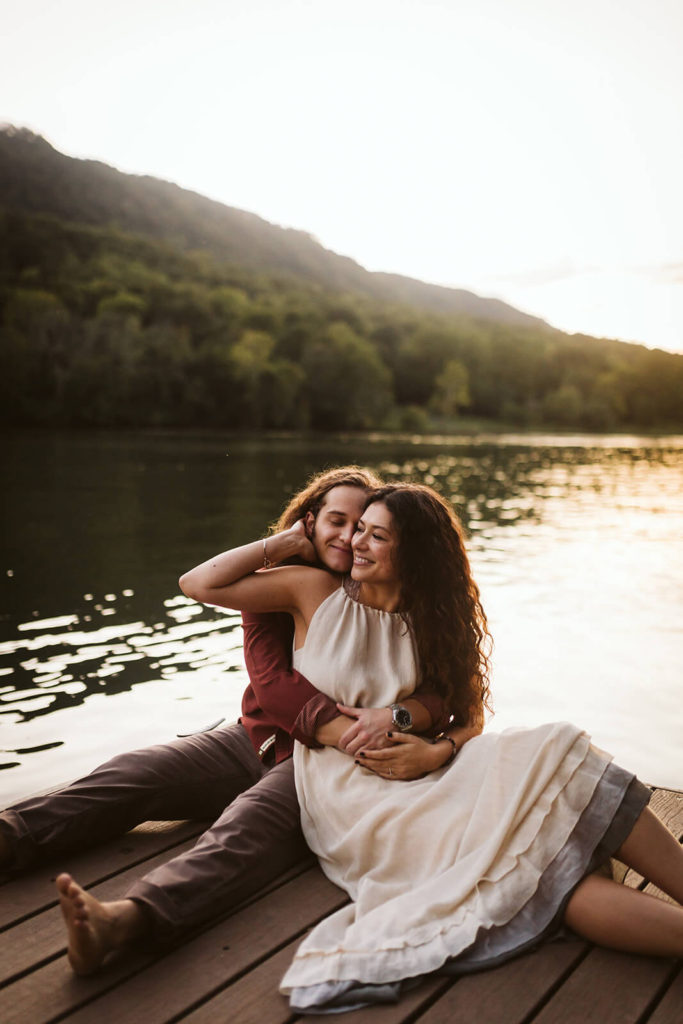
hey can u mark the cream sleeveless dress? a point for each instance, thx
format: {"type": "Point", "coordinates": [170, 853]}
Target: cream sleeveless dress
{"type": "Point", "coordinates": [459, 869]}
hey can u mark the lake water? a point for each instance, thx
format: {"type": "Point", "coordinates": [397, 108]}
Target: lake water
{"type": "Point", "coordinates": [576, 543]}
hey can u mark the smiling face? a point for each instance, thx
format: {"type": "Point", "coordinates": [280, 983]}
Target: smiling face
{"type": "Point", "coordinates": [334, 526]}
{"type": "Point", "coordinates": [374, 546]}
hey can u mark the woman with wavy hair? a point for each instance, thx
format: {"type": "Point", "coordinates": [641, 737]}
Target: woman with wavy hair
{"type": "Point", "coordinates": [471, 863]}
{"type": "Point", "coordinates": [439, 598]}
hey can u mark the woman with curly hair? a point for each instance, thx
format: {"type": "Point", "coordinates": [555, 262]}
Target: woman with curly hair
{"type": "Point", "coordinates": [439, 598]}
{"type": "Point", "coordinates": [476, 861]}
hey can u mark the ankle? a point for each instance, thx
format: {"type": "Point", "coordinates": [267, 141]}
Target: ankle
{"type": "Point", "coordinates": [127, 922]}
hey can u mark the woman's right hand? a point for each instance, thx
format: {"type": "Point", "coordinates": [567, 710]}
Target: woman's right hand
{"type": "Point", "coordinates": [300, 534]}
{"type": "Point", "coordinates": [408, 757]}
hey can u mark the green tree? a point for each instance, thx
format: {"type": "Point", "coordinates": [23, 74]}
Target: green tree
{"type": "Point", "coordinates": [419, 360]}
{"type": "Point", "coordinates": [452, 389]}
{"type": "Point", "coordinates": [105, 326]}
{"type": "Point", "coordinates": [100, 388]}
{"type": "Point", "coordinates": [348, 386]}
{"type": "Point", "coordinates": [163, 382]}
{"type": "Point", "coordinates": [123, 304]}
{"type": "Point", "coordinates": [282, 394]}
{"type": "Point", "coordinates": [563, 406]}
{"type": "Point", "coordinates": [250, 364]}
{"type": "Point", "coordinates": [230, 304]}
{"type": "Point", "coordinates": [39, 331]}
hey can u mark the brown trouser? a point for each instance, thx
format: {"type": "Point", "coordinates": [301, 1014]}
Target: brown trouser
{"type": "Point", "coordinates": [216, 774]}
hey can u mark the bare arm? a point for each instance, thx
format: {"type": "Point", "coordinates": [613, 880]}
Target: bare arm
{"type": "Point", "coordinates": [212, 581]}
{"type": "Point", "coordinates": [231, 580]}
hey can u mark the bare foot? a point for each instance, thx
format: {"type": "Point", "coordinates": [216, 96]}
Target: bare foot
{"type": "Point", "coordinates": [94, 928]}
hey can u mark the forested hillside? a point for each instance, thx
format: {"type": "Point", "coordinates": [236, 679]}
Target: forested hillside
{"type": "Point", "coordinates": [35, 178]}
{"type": "Point", "coordinates": [108, 320]}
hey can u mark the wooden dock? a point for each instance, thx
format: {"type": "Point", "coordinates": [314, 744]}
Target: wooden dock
{"type": "Point", "coordinates": [230, 971]}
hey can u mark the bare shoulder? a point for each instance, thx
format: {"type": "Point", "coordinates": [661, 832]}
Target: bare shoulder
{"type": "Point", "coordinates": [299, 578]}
{"type": "Point", "coordinates": [308, 586]}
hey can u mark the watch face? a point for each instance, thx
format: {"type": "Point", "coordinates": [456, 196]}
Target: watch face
{"type": "Point", "coordinates": [402, 718]}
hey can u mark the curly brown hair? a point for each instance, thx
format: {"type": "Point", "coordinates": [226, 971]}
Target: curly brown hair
{"type": "Point", "coordinates": [439, 599]}
{"type": "Point", "coordinates": [311, 497]}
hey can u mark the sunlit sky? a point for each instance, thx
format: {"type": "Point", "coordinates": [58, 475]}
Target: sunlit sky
{"type": "Point", "coordinates": [525, 149]}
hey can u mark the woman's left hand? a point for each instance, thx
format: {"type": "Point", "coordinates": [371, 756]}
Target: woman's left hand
{"type": "Point", "coordinates": [408, 757]}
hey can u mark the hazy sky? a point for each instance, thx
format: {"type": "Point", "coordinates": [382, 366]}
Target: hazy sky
{"type": "Point", "coordinates": [527, 149]}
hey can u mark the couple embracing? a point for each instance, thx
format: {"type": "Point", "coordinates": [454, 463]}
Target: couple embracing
{"type": "Point", "coordinates": [458, 848]}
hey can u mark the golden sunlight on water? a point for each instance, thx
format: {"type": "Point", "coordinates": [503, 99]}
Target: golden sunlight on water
{"type": "Point", "coordinates": [584, 595]}
{"type": "Point", "coordinates": [577, 548]}
{"type": "Point", "coordinates": [152, 682]}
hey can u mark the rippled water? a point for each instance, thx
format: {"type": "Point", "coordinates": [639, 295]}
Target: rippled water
{"type": "Point", "coordinates": [576, 544]}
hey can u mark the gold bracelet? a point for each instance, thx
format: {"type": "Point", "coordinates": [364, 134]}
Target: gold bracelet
{"type": "Point", "coordinates": [266, 561]}
{"type": "Point", "coordinates": [454, 751]}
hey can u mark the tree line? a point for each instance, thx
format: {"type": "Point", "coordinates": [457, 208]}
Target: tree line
{"type": "Point", "coordinates": [103, 328]}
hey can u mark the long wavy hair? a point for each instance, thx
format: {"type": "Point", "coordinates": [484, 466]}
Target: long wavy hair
{"type": "Point", "coordinates": [310, 498]}
{"type": "Point", "coordinates": [439, 599]}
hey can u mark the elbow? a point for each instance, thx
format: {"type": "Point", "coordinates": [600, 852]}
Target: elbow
{"type": "Point", "coordinates": [187, 586]}
{"type": "Point", "coordinates": [194, 587]}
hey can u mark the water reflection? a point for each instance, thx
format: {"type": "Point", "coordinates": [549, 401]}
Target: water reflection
{"type": "Point", "coordinates": [60, 667]}
{"type": "Point", "coordinates": [576, 545]}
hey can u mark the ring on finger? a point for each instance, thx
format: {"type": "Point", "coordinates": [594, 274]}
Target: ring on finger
{"type": "Point", "coordinates": [390, 773]}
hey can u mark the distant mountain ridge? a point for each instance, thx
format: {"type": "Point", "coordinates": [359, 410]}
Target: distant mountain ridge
{"type": "Point", "coordinates": [37, 178]}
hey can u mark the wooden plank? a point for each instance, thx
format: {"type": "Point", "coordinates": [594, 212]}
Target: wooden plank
{"type": "Point", "coordinates": [508, 993]}
{"type": "Point", "coordinates": [144, 985]}
{"type": "Point", "coordinates": [256, 998]}
{"type": "Point", "coordinates": [32, 893]}
{"type": "Point", "coordinates": [175, 983]}
{"type": "Point", "coordinates": [43, 936]}
{"type": "Point", "coordinates": [607, 988]}
{"type": "Point", "coordinates": [253, 999]}
{"type": "Point", "coordinates": [53, 990]}
{"type": "Point", "coordinates": [653, 890]}
{"type": "Point", "coordinates": [668, 806]}
{"type": "Point", "coordinates": [409, 1007]}
{"type": "Point", "coordinates": [670, 1009]}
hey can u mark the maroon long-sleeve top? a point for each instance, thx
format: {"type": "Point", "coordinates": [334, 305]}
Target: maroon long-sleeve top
{"type": "Point", "coordinates": [281, 703]}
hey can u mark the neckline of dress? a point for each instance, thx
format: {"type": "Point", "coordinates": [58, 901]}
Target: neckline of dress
{"type": "Point", "coordinates": [351, 587]}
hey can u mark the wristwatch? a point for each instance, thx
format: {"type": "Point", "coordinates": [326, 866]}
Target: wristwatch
{"type": "Point", "coordinates": [401, 718]}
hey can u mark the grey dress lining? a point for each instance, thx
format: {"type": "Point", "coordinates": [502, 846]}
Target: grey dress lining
{"type": "Point", "coordinates": [602, 827]}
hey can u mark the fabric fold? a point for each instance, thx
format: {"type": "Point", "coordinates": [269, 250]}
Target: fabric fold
{"type": "Point", "coordinates": [460, 868]}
